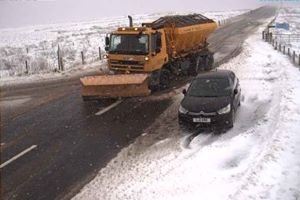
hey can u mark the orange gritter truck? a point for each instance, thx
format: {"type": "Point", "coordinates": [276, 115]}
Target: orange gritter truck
{"type": "Point", "coordinates": [145, 58]}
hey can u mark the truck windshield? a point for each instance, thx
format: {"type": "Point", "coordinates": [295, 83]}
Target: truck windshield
{"type": "Point", "coordinates": [129, 44]}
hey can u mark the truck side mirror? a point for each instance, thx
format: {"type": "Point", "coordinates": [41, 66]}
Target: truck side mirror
{"type": "Point", "coordinates": [106, 43]}
{"type": "Point", "coordinates": [184, 92]}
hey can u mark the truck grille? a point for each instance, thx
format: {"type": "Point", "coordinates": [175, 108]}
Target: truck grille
{"type": "Point", "coordinates": [127, 65]}
{"type": "Point", "coordinates": [126, 62]}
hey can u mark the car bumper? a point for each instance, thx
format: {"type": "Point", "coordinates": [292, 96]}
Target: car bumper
{"type": "Point", "coordinates": [216, 121]}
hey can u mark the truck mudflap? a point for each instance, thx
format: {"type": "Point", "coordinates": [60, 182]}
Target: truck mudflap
{"type": "Point", "coordinates": [114, 86]}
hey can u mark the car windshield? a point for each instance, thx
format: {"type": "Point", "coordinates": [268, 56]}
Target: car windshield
{"type": "Point", "coordinates": [129, 44]}
{"type": "Point", "coordinates": [209, 87]}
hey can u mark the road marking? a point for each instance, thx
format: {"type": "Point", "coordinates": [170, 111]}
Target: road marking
{"type": "Point", "coordinates": [109, 107]}
{"type": "Point", "coordinates": [18, 156]}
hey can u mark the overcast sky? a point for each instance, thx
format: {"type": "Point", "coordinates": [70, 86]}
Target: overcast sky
{"type": "Point", "coordinates": [16, 13]}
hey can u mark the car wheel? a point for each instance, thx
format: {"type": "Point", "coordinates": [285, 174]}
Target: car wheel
{"type": "Point", "coordinates": [232, 118]}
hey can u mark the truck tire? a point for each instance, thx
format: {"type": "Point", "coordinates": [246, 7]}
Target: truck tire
{"type": "Point", "coordinates": [209, 61]}
{"type": "Point", "coordinates": [195, 66]}
{"type": "Point", "coordinates": [164, 80]}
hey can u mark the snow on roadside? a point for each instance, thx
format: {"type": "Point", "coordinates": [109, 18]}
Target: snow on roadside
{"type": "Point", "coordinates": [257, 159]}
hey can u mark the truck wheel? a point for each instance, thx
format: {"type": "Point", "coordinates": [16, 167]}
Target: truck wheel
{"type": "Point", "coordinates": [195, 66]}
{"type": "Point", "coordinates": [209, 61]}
{"type": "Point", "coordinates": [164, 78]}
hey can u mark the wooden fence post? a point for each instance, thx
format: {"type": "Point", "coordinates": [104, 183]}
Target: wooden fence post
{"type": "Point", "coordinates": [294, 57]}
{"type": "Point", "coordinates": [100, 58]}
{"type": "Point", "coordinates": [276, 45]}
{"type": "Point", "coordinates": [283, 49]}
{"type": "Point", "coordinates": [299, 60]}
{"type": "Point", "coordinates": [58, 58]}
{"type": "Point", "coordinates": [288, 51]}
{"type": "Point", "coordinates": [26, 66]}
{"type": "Point", "coordinates": [279, 47]}
{"type": "Point", "coordinates": [263, 35]}
{"type": "Point", "coordinates": [82, 57]}
{"type": "Point", "coordinates": [61, 64]}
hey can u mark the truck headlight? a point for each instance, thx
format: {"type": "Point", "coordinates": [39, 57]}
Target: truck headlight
{"type": "Point", "coordinates": [224, 110]}
{"type": "Point", "coordinates": [146, 58]}
{"type": "Point", "coordinates": [183, 110]}
{"type": "Point", "coordinates": [105, 56]}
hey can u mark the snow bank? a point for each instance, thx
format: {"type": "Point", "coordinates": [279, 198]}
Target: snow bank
{"type": "Point", "coordinates": [257, 159]}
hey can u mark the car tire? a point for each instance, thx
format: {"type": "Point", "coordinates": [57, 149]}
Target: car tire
{"type": "Point", "coordinates": [232, 119]}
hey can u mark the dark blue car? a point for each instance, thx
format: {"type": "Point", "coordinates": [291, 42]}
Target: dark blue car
{"type": "Point", "coordinates": [211, 101]}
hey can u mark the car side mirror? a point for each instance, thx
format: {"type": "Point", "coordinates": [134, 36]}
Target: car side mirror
{"type": "Point", "coordinates": [235, 91]}
{"type": "Point", "coordinates": [184, 92]}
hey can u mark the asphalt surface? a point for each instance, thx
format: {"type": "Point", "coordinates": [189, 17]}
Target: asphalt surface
{"type": "Point", "coordinates": [72, 143]}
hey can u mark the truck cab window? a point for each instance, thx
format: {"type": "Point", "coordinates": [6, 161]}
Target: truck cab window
{"type": "Point", "coordinates": [156, 42]}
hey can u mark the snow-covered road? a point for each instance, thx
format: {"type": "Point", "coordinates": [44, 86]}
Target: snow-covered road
{"type": "Point", "coordinates": [257, 159]}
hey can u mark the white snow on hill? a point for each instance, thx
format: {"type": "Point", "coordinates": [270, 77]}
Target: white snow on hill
{"type": "Point", "coordinates": [38, 44]}
{"type": "Point", "coordinates": [257, 159]}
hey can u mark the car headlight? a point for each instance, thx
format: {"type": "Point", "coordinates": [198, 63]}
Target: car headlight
{"type": "Point", "coordinates": [182, 110]}
{"type": "Point", "coordinates": [225, 110]}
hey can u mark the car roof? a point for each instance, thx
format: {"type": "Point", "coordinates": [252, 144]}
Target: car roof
{"type": "Point", "coordinates": [220, 73]}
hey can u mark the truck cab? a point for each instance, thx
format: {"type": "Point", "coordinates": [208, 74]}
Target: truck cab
{"type": "Point", "coordinates": [138, 49]}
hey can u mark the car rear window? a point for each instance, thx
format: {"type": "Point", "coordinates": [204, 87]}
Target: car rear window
{"type": "Point", "coordinates": [209, 87]}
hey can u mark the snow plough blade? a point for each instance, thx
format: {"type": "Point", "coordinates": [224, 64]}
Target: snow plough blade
{"type": "Point", "coordinates": [114, 86]}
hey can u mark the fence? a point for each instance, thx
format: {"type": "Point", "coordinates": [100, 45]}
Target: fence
{"type": "Point", "coordinates": [281, 42]}
{"type": "Point", "coordinates": [61, 61]}
{"type": "Point", "coordinates": [287, 38]}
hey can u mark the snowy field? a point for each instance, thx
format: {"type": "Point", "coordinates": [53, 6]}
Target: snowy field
{"type": "Point", "coordinates": [290, 38]}
{"type": "Point", "coordinates": [38, 44]}
{"type": "Point", "coordinates": [257, 159]}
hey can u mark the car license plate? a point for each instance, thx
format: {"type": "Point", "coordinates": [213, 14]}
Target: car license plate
{"type": "Point", "coordinates": [201, 120]}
